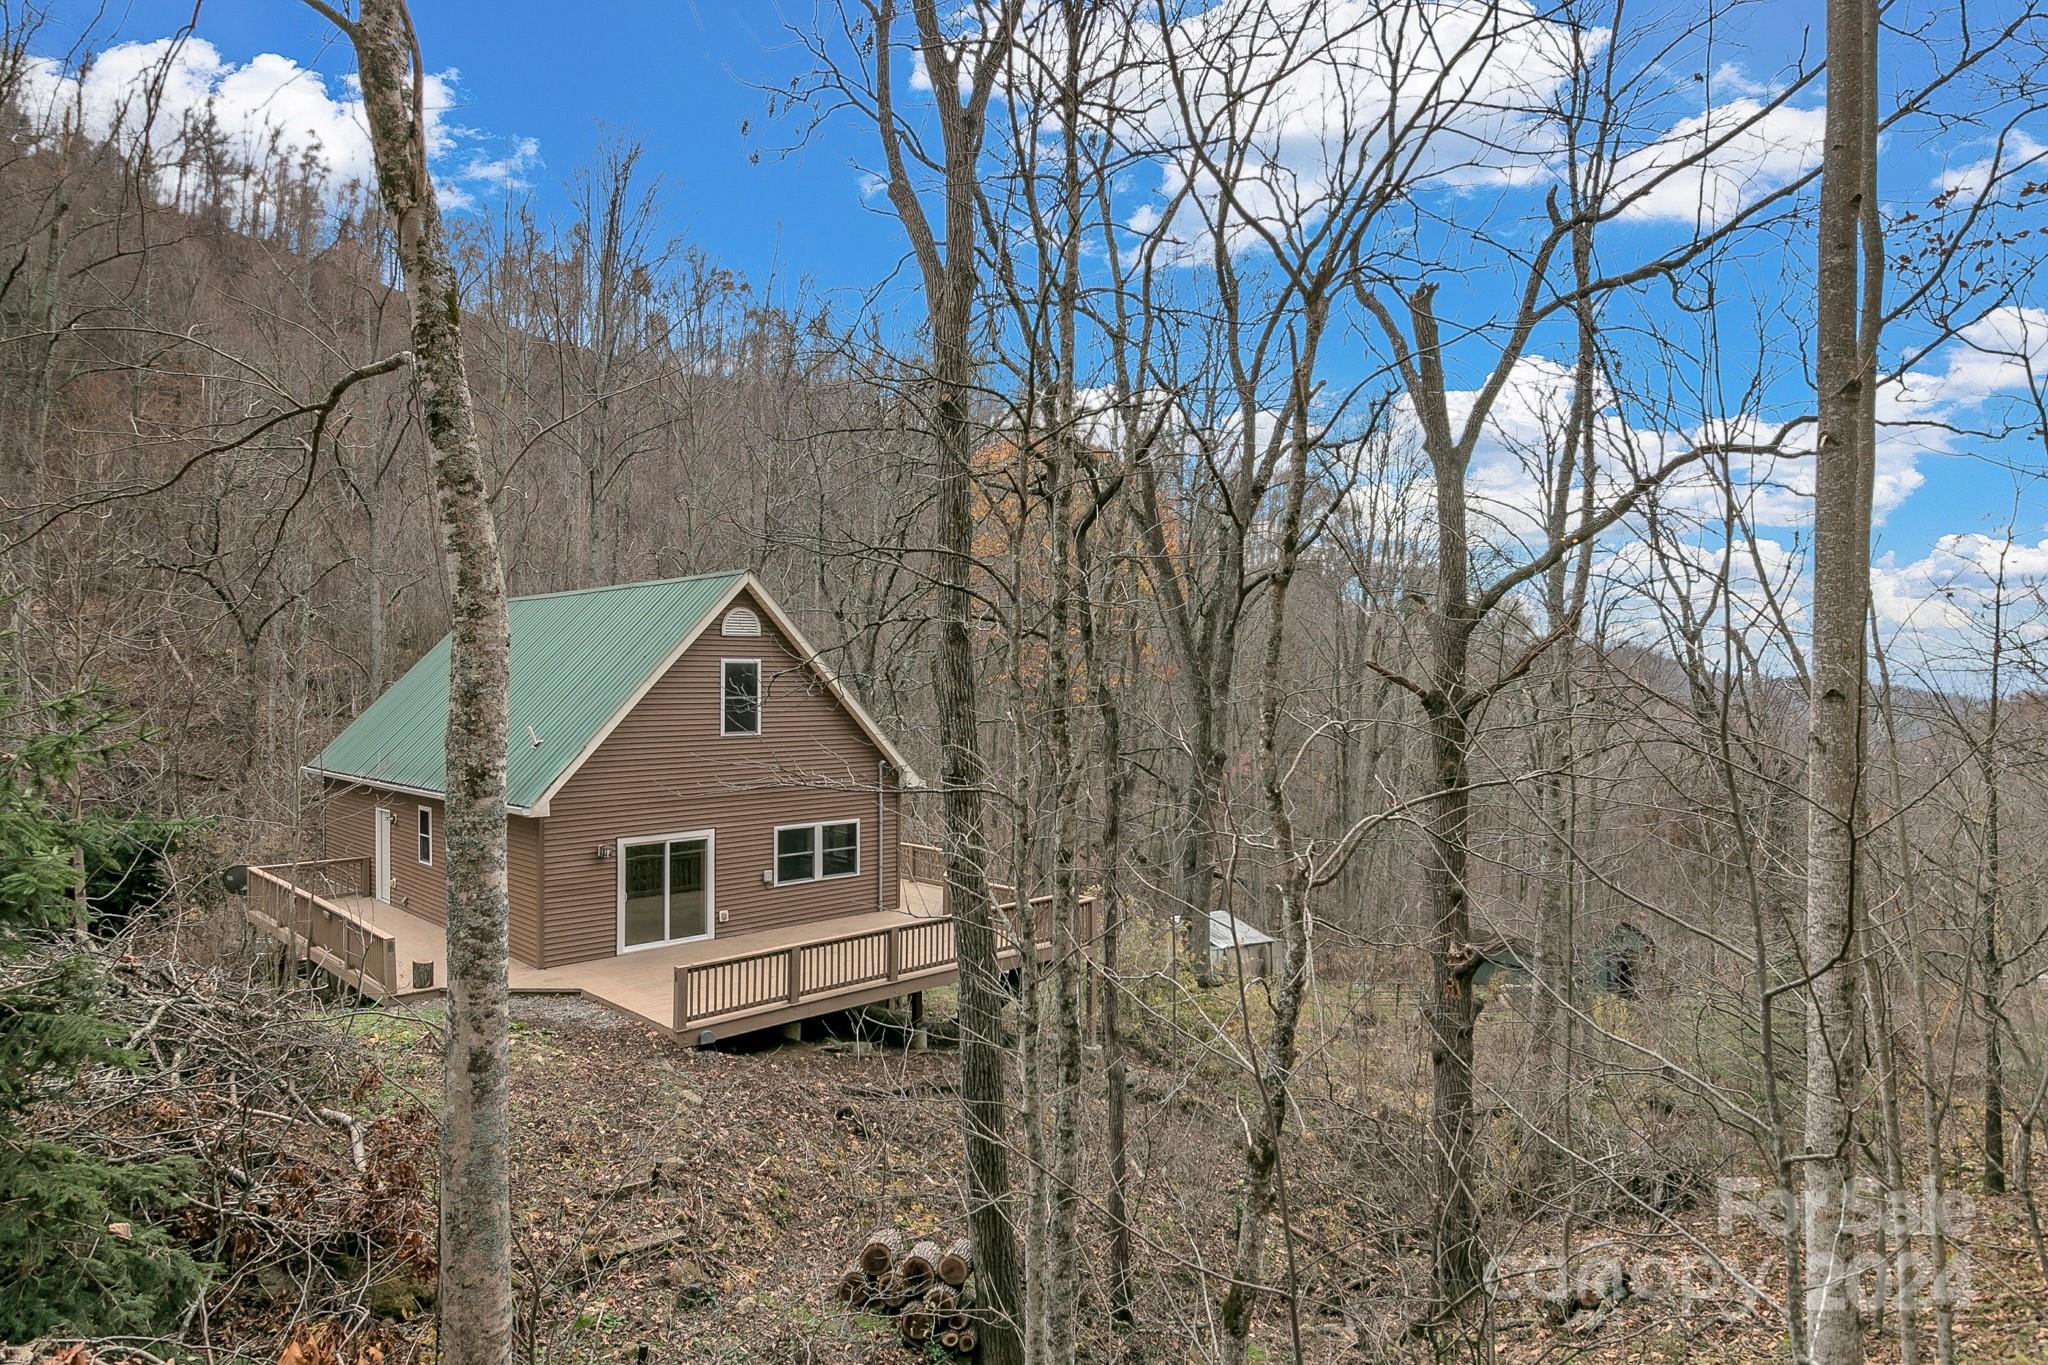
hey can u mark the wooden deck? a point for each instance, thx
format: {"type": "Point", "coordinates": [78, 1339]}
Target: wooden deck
{"type": "Point", "coordinates": [709, 989]}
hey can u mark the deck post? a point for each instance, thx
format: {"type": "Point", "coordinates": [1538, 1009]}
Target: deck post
{"type": "Point", "coordinates": [920, 1038]}
{"type": "Point", "coordinates": [895, 969]}
{"type": "Point", "coordinates": [794, 971]}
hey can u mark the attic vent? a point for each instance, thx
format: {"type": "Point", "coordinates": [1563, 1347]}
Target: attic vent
{"type": "Point", "coordinates": [741, 621]}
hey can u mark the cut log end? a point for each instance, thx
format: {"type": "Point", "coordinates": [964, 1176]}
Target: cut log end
{"type": "Point", "coordinates": [855, 1287]}
{"type": "Point", "coordinates": [956, 1262]}
{"type": "Point", "coordinates": [883, 1248]}
{"type": "Point", "coordinates": [921, 1266]}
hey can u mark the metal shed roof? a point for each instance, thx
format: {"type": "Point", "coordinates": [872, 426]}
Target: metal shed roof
{"type": "Point", "coordinates": [1228, 931]}
{"type": "Point", "coordinates": [580, 660]}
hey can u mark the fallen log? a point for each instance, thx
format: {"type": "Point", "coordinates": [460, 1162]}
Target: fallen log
{"type": "Point", "coordinates": [904, 1092]}
{"type": "Point", "coordinates": [615, 1252]}
{"type": "Point", "coordinates": [883, 1248]}
{"type": "Point", "coordinates": [950, 1339]}
{"type": "Point", "coordinates": [920, 1266]}
{"type": "Point", "coordinates": [852, 1287]}
{"type": "Point", "coordinates": [666, 1171]}
{"type": "Point", "coordinates": [942, 1300]}
{"type": "Point", "coordinates": [964, 1341]}
{"type": "Point", "coordinates": [915, 1325]}
{"type": "Point", "coordinates": [894, 1293]}
{"type": "Point", "coordinates": [956, 1262]}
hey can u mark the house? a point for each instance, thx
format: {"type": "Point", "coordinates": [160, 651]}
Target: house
{"type": "Point", "coordinates": [702, 829]}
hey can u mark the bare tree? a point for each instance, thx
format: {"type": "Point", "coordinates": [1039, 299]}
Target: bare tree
{"type": "Point", "coordinates": [1847, 320]}
{"type": "Point", "coordinates": [475, 1300]}
{"type": "Point", "coordinates": [960, 57]}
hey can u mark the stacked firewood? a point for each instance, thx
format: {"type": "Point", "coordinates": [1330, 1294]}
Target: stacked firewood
{"type": "Point", "coordinates": [928, 1288]}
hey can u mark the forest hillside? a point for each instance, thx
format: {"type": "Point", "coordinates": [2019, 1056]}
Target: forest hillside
{"type": "Point", "coordinates": [1444, 599]}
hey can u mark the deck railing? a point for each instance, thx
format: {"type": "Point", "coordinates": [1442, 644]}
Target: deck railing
{"type": "Point", "coordinates": [307, 922]}
{"type": "Point", "coordinates": [324, 876]}
{"type": "Point", "coordinates": [919, 952]}
{"type": "Point", "coordinates": [926, 863]}
{"type": "Point", "coordinates": [923, 863]}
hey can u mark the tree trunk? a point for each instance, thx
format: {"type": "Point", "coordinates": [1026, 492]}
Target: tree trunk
{"type": "Point", "coordinates": [1564, 596]}
{"type": "Point", "coordinates": [373, 561]}
{"type": "Point", "coordinates": [475, 1299]}
{"type": "Point", "coordinates": [1450, 1014]}
{"type": "Point", "coordinates": [1119, 782]}
{"type": "Point", "coordinates": [1845, 345]}
{"type": "Point", "coordinates": [1990, 896]}
{"type": "Point", "coordinates": [950, 269]}
{"type": "Point", "coordinates": [1265, 1189]}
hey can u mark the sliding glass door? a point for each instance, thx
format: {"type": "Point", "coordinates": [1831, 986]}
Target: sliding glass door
{"type": "Point", "coordinates": [664, 889]}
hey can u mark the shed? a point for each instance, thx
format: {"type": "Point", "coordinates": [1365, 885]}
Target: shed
{"type": "Point", "coordinates": [1254, 947]}
{"type": "Point", "coordinates": [1621, 959]}
{"type": "Point", "coordinates": [1507, 963]}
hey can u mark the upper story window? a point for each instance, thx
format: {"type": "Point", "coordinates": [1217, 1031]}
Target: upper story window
{"type": "Point", "coordinates": [740, 688]}
{"type": "Point", "coordinates": [427, 836]}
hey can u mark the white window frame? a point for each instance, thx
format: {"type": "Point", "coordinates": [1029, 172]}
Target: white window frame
{"type": "Point", "coordinates": [817, 829]}
{"type": "Point", "coordinates": [710, 838]}
{"type": "Point", "coordinates": [423, 835]}
{"type": "Point", "coordinates": [760, 699]}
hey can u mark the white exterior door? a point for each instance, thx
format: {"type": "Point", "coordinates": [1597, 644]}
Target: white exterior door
{"type": "Point", "coordinates": [382, 883]}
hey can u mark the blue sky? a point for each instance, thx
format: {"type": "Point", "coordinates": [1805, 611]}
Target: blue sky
{"type": "Point", "coordinates": [774, 200]}
{"type": "Point", "coordinates": [681, 76]}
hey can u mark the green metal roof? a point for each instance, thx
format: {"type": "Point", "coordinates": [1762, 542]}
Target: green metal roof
{"type": "Point", "coordinates": [577, 658]}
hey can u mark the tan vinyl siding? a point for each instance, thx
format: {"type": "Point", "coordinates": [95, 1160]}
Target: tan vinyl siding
{"type": "Point", "coordinates": [423, 890]}
{"type": "Point", "coordinates": [667, 769]}
{"type": "Point", "coordinates": [523, 876]}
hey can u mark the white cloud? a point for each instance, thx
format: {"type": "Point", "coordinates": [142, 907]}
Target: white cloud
{"type": "Point", "coordinates": [1452, 94]}
{"type": "Point", "coordinates": [1257, 111]}
{"type": "Point", "coordinates": [1937, 611]}
{"type": "Point", "coordinates": [2019, 152]}
{"type": "Point", "coordinates": [509, 171]}
{"type": "Point", "coordinates": [1744, 149]}
{"type": "Point", "coordinates": [1751, 586]}
{"type": "Point", "coordinates": [1523, 439]}
{"type": "Point", "coordinates": [1730, 79]}
{"type": "Point", "coordinates": [1927, 411]}
{"type": "Point", "coordinates": [1298, 94]}
{"type": "Point", "coordinates": [254, 110]}
{"type": "Point", "coordinates": [2005, 351]}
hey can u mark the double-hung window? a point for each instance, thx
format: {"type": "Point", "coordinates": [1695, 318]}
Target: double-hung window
{"type": "Point", "coordinates": [740, 697]}
{"type": "Point", "coordinates": [810, 853]}
{"type": "Point", "coordinates": [426, 836]}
